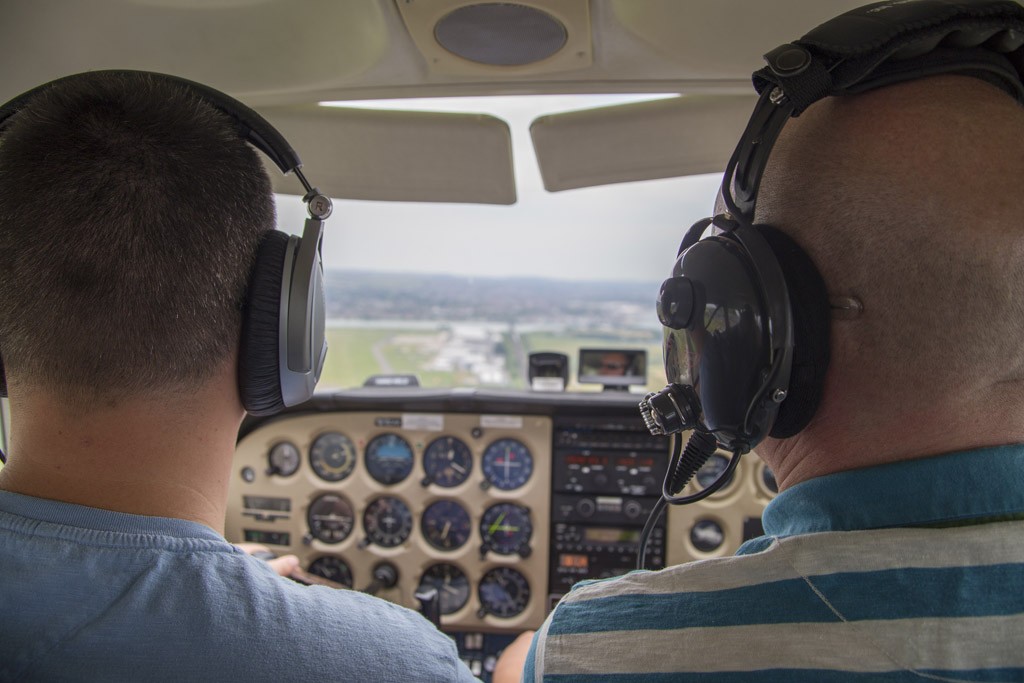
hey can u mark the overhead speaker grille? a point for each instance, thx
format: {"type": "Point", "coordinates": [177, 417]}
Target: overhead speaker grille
{"type": "Point", "coordinates": [500, 34]}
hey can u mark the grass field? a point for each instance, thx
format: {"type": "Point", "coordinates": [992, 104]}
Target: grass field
{"type": "Point", "coordinates": [350, 358]}
{"type": "Point", "coordinates": [356, 353]}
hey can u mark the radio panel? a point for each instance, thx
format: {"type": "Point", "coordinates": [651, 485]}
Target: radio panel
{"type": "Point", "coordinates": [606, 478]}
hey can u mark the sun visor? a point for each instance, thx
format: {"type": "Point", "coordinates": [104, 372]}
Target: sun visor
{"type": "Point", "coordinates": [352, 153]}
{"type": "Point", "coordinates": [660, 139]}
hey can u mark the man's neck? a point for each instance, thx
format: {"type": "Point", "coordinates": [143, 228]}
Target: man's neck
{"type": "Point", "coordinates": [842, 437]}
{"type": "Point", "coordinates": [156, 457]}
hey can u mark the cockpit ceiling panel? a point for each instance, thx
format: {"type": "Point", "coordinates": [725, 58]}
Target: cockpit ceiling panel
{"type": "Point", "coordinates": [643, 141]}
{"type": "Point", "coordinates": [289, 52]}
{"type": "Point", "coordinates": [252, 50]}
{"type": "Point", "coordinates": [398, 155]}
{"type": "Point", "coordinates": [717, 39]}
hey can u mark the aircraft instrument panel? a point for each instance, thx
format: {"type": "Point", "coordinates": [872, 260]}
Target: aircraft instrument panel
{"type": "Point", "coordinates": [491, 513]}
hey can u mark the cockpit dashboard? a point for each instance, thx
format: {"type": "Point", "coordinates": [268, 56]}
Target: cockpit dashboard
{"type": "Point", "coordinates": [482, 507]}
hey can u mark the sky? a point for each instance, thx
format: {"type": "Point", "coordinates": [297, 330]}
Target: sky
{"type": "Point", "coordinates": [623, 232]}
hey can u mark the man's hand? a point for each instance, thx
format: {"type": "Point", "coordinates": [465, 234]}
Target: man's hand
{"type": "Point", "coordinates": [512, 660]}
{"type": "Point", "coordinates": [283, 565]}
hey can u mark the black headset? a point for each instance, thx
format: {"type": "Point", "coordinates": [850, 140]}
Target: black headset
{"type": "Point", "coordinates": [283, 345]}
{"type": "Point", "coordinates": [746, 315]}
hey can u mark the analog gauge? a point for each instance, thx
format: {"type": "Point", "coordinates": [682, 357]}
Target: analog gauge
{"type": "Point", "coordinates": [506, 529]}
{"type": "Point", "coordinates": [388, 521]}
{"type": "Point", "coordinates": [711, 470]}
{"type": "Point", "coordinates": [333, 569]}
{"type": "Point", "coordinates": [507, 464]}
{"type": "Point", "coordinates": [451, 584]}
{"type": "Point", "coordinates": [388, 458]}
{"type": "Point", "coordinates": [332, 456]}
{"type": "Point", "coordinates": [445, 525]}
{"type": "Point", "coordinates": [447, 462]}
{"type": "Point", "coordinates": [504, 592]}
{"type": "Point", "coordinates": [330, 518]}
{"type": "Point", "coordinates": [707, 535]}
{"type": "Point", "coordinates": [284, 459]}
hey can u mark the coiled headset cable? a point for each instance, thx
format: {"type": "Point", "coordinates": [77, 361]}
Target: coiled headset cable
{"type": "Point", "coordinates": [682, 467]}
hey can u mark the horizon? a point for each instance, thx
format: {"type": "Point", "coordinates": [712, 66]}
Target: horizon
{"type": "Point", "coordinates": [343, 271]}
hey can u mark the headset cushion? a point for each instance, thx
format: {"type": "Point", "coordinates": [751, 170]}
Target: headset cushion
{"type": "Point", "coordinates": [809, 306]}
{"type": "Point", "coordinates": [259, 372]}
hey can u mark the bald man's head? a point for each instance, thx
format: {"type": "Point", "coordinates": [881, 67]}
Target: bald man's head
{"type": "Point", "coordinates": [908, 198]}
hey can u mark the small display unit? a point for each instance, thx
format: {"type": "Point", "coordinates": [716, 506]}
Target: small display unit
{"type": "Point", "coordinates": [615, 369]}
{"type": "Point", "coordinates": [548, 371]}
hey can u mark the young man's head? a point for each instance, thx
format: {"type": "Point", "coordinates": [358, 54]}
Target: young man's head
{"type": "Point", "coordinates": [130, 214]}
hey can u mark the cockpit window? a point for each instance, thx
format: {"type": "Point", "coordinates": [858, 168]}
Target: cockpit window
{"type": "Point", "coordinates": [460, 294]}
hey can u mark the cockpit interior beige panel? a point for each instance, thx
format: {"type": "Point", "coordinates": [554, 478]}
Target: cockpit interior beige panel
{"type": "Point", "coordinates": [414, 555]}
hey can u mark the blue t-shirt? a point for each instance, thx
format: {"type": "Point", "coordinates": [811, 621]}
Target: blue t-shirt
{"type": "Point", "coordinates": [904, 572]}
{"type": "Point", "coordinates": [88, 594]}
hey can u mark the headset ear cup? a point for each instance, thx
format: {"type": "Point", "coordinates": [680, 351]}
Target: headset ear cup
{"type": "Point", "coordinates": [809, 306]}
{"type": "Point", "coordinates": [259, 371]}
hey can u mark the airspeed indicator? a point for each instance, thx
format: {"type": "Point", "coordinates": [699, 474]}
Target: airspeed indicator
{"type": "Point", "coordinates": [332, 456]}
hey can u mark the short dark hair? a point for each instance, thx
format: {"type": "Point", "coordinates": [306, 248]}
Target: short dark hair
{"type": "Point", "coordinates": [130, 215]}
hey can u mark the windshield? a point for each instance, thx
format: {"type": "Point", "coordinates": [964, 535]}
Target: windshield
{"type": "Point", "coordinates": [461, 294]}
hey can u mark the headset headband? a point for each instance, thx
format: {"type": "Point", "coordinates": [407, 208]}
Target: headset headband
{"type": "Point", "coordinates": [870, 47]}
{"type": "Point", "coordinates": [249, 125]}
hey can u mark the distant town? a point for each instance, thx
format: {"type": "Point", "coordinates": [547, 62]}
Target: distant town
{"type": "Point", "coordinates": [463, 331]}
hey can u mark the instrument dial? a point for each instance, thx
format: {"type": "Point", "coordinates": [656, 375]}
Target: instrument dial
{"type": "Point", "coordinates": [332, 456]}
{"type": "Point", "coordinates": [507, 464]}
{"type": "Point", "coordinates": [446, 525]}
{"type": "Point", "coordinates": [330, 518]}
{"type": "Point", "coordinates": [332, 568]}
{"type": "Point", "coordinates": [709, 473]}
{"type": "Point", "coordinates": [388, 521]}
{"type": "Point", "coordinates": [389, 458]}
{"type": "Point", "coordinates": [451, 584]}
{"type": "Point", "coordinates": [447, 462]}
{"type": "Point", "coordinates": [284, 459]}
{"type": "Point", "coordinates": [506, 529]}
{"type": "Point", "coordinates": [504, 592]}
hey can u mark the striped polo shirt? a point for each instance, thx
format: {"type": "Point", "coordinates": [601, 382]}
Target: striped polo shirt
{"type": "Point", "coordinates": [912, 571]}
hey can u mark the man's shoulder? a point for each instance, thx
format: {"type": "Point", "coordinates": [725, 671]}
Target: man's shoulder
{"type": "Point", "coordinates": [771, 563]}
{"type": "Point", "coordinates": [135, 605]}
{"type": "Point", "coordinates": [642, 599]}
{"type": "Point", "coordinates": [845, 591]}
{"type": "Point", "coordinates": [301, 631]}
{"type": "Point", "coordinates": [614, 626]}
